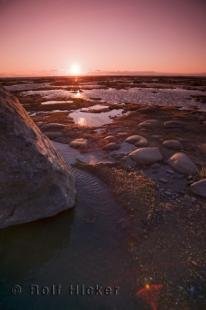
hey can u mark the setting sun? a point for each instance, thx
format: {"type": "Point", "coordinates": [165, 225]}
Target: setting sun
{"type": "Point", "coordinates": [75, 69]}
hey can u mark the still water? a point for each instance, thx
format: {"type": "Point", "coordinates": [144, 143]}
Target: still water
{"type": "Point", "coordinates": [85, 246]}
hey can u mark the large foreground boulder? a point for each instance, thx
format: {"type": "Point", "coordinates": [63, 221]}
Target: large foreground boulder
{"type": "Point", "coordinates": [35, 182]}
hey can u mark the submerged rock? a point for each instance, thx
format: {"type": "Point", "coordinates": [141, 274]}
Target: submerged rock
{"type": "Point", "coordinates": [199, 188]}
{"type": "Point", "coordinates": [137, 140]}
{"type": "Point", "coordinates": [174, 124]}
{"type": "Point", "coordinates": [172, 144]}
{"type": "Point", "coordinates": [52, 126]}
{"type": "Point", "coordinates": [149, 123]}
{"type": "Point", "coordinates": [146, 155]}
{"type": "Point", "coordinates": [79, 143]}
{"type": "Point", "coordinates": [183, 164]}
{"type": "Point", "coordinates": [35, 182]}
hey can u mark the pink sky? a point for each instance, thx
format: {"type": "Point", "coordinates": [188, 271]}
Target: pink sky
{"type": "Point", "coordinates": [47, 36]}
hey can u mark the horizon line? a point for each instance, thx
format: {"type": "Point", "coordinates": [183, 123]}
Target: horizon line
{"type": "Point", "coordinates": [105, 73]}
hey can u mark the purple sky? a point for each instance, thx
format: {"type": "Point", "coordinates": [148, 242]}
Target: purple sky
{"type": "Point", "coordinates": [46, 37]}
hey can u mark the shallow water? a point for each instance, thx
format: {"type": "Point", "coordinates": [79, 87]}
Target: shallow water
{"type": "Point", "coordinates": [165, 97]}
{"type": "Point", "coordinates": [56, 102]}
{"type": "Point", "coordinates": [85, 246]}
{"type": "Point", "coordinates": [73, 155]}
{"type": "Point", "coordinates": [86, 119]}
{"type": "Point", "coordinates": [53, 94]}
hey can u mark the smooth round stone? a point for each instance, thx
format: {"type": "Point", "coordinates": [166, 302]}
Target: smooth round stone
{"type": "Point", "coordinates": [172, 144]}
{"type": "Point", "coordinates": [111, 146]}
{"type": "Point", "coordinates": [79, 143]}
{"type": "Point", "coordinates": [137, 140]}
{"type": "Point", "coordinates": [146, 155]}
{"type": "Point", "coordinates": [174, 124]}
{"type": "Point", "coordinates": [182, 163]}
{"type": "Point", "coordinates": [149, 123]}
{"type": "Point", "coordinates": [199, 188]}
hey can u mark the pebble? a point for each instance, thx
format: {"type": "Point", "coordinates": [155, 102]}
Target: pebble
{"type": "Point", "coordinates": [163, 180]}
{"type": "Point", "coordinates": [137, 140]}
{"type": "Point", "coordinates": [149, 123]}
{"type": "Point", "coordinates": [199, 188]}
{"type": "Point", "coordinates": [111, 146]}
{"type": "Point", "coordinates": [172, 144]}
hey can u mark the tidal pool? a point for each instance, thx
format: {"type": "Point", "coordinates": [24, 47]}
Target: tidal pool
{"type": "Point", "coordinates": [164, 97]}
{"type": "Point", "coordinates": [84, 246]}
{"type": "Point", "coordinates": [88, 119]}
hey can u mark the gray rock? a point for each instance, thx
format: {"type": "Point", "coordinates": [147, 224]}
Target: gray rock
{"type": "Point", "coordinates": [163, 180]}
{"type": "Point", "coordinates": [79, 143]}
{"type": "Point", "coordinates": [149, 123]}
{"type": "Point", "coordinates": [168, 171]}
{"type": "Point", "coordinates": [199, 188]}
{"type": "Point", "coordinates": [172, 144]}
{"type": "Point", "coordinates": [35, 182]}
{"type": "Point", "coordinates": [137, 140]}
{"type": "Point", "coordinates": [174, 124]}
{"type": "Point", "coordinates": [146, 155]}
{"type": "Point", "coordinates": [111, 146]}
{"type": "Point", "coordinates": [183, 164]}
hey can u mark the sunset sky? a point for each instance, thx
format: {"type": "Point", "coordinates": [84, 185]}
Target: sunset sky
{"type": "Point", "coordinates": [45, 37]}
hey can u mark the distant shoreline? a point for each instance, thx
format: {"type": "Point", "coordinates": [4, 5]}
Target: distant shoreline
{"type": "Point", "coordinates": [155, 75]}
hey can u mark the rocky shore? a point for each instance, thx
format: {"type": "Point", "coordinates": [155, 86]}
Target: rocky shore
{"type": "Point", "coordinates": [153, 160]}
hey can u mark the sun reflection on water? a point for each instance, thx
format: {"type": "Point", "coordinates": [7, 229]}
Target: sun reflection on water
{"type": "Point", "coordinates": [77, 94]}
{"type": "Point", "coordinates": [82, 122]}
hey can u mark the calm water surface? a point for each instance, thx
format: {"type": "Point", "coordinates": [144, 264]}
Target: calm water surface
{"type": "Point", "coordinates": [85, 245]}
